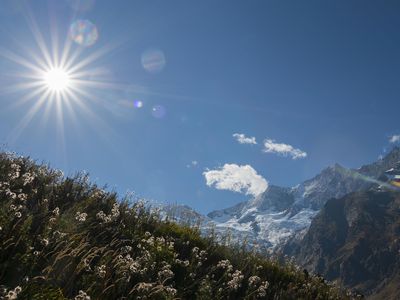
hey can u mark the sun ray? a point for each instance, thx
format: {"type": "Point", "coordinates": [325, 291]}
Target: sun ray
{"type": "Point", "coordinates": [16, 132]}
{"type": "Point", "coordinates": [26, 98]}
{"type": "Point", "coordinates": [39, 38]}
{"type": "Point", "coordinates": [20, 87]}
{"type": "Point", "coordinates": [65, 55]}
{"type": "Point", "coordinates": [73, 67]}
{"type": "Point", "coordinates": [54, 42]}
{"type": "Point", "coordinates": [19, 60]}
{"type": "Point", "coordinates": [60, 122]}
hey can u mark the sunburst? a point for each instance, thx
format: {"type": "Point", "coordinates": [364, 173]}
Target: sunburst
{"type": "Point", "coordinates": [56, 80]}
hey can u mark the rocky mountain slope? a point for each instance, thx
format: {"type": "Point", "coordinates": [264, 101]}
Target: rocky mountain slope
{"type": "Point", "coordinates": [281, 213]}
{"type": "Point", "coordinates": [356, 241]}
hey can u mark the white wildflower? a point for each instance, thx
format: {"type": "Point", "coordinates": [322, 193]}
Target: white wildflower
{"type": "Point", "coordinates": [160, 240]}
{"type": "Point", "coordinates": [103, 217]}
{"type": "Point", "coordinates": [81, 217]}
{"type": "Point", "coordinates": [236, 280]}
{"type": "Point", "coordinates": [16, 169]}
{"type": "Point", "coordinates": [11, 295]}
{"type": "Point", "coordinates": [10, 194]}
{"type": "Point", "coordinates": [115, 211]}
{"type": "Point", "coordinates": [149, 241]}
{"type": "Point", "coordinates": [27, 178]}
{"type": "Point", "coordinates": [134, 267]}
{"type": "Point", "coordinates": [86, 264]}
{"type": "Point", "coordinates": [99, 194]}
{"type": "Point", "coordinates": [225, 264]}
{"type": "Point", "coordinates": [144, 287]}
{"type": "Point", "coordinates": [171, 245]}
{"type": "Point", "coordinates": [262, 289]}
{"type": "Point", "coordinates": [82, 296]}
{"type": "Point", "coordinates": [184, 263]}
{"type": "Point", "coordinates": [165, 273]}
{"type": "Point", "coordinates": [59, 173]}
{"type": "Point", "coordinates": [170, 290]}
{"type": "Point", "coordinates": [101, 271]}
{"type": "Point", "coordinates": [56, 211]}
{"type": "Point", "coordinates": [23, 197]}
{"type": "Point", "coordinates": [254, 280]}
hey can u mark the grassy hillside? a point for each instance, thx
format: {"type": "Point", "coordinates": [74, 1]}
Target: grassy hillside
{"type": "Point", "coordinates": [64, 238]}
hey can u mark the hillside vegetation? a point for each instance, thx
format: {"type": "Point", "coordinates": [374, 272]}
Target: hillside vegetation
{"type": "Point", "coordinates": [65, 238]}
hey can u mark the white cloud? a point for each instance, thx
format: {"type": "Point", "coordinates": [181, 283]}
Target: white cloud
{"type": "Point", "coordinates": [193, 163]}
{"type": "Point", "coordinates": [236, 178]}
{"type": "Point", "coordinates": [395, 138]}
{"type": "Point", "coordinates": [242, 139]}
{"type": "Point", "coordinates": [270, 146]}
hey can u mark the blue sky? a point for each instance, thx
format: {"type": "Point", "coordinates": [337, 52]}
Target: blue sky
{"type": "Point", "coordinates": [319, 76]}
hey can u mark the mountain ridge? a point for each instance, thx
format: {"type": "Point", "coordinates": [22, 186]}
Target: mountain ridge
{"type": "Point", "coordinates": [281, 213]}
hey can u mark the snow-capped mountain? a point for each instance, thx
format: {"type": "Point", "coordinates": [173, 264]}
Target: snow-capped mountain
{"type": "Point", "coordinates": [281, 213]}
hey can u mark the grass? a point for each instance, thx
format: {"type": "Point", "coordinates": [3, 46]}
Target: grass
{"type": "Point", "coordinates": [65, 238]}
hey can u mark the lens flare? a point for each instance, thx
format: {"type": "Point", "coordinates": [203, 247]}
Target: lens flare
{"type": "Point", "coordinates": [158, 111]}
{"type": "Point", "coordinates": [84, 33]}
{"type": "Point", "coordinates": [153, 61]}
{"type": "Point", "coordinates": [138, 104]}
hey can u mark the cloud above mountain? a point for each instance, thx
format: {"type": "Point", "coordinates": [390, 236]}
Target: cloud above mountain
{"type": "Point", "coordinates": [394, 138]}
{"type": "Point", "coordinates": [236, 178]}
{"type": "Point", "coordinates": [243, 139]}
{"type": "Point", "coordinates": [270, 146]}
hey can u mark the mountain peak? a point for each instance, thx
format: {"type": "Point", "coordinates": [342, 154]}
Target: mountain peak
{"type": "Point", "coordinates": [394, 152]}
{"type": "Point", "coordinates": [335, 167]}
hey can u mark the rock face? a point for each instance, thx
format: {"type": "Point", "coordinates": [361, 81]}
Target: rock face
{"type": "Point", "coordinates": [182, 214]}
{"type": "Point", "coordinates": [356, 240]}
{"type": "Point", "coordinates": [281, 214]}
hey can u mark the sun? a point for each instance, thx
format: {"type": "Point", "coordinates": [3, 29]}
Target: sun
{"type": "Point", "coordinates": [57, 79]}
{"type": "Point", "coordinates": [64, 80]}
